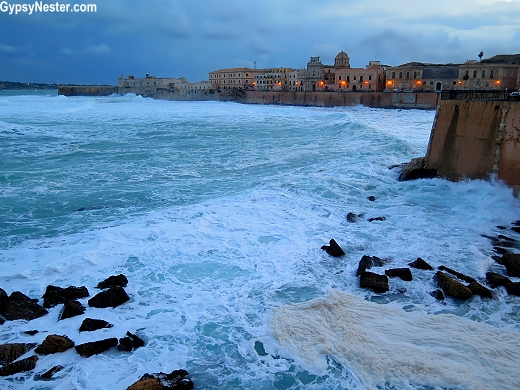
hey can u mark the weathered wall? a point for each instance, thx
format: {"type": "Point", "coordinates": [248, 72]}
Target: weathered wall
{"type": "Point", "coordinates": [83, 90]}
{"type": "Point", "coordinates": [472, 139]}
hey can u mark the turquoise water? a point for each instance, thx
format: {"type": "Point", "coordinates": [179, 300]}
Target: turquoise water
{"type": "Point", "coordinates": [216, 213]}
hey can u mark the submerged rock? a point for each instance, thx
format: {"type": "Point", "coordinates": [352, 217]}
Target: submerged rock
{"type": "Point", "coordinates": [371, 198]}
{"type": "Point", "coordinates": [376, 219]}
{"type": "Point", "coordinates": [178, 379]}
{"type": "Point", "coordinates": [438, 294]}
{"type": "Point", "coordinates": [20, 307]}
{"type": "Point", "coordinates": [421, 264]}
{"type": "Point", "coordinates": [368, 262]}
{"type": "Point", "coordinates": [26, 364]}
{"type": "Point", "coordinates": [112, 297]}
{"type": "Point", "coordinates": [55, 295]}
{"type": "Point", "coordinates": [71, 309]}
{"type": "Point", "coordinates": [12, 351]}
{"type": "Point", "coordinates": [333, 249]}
{"type": "Point", "coordinates": [95, 347]}
{"type": "Point", "coordinates": [49, 374]}
{"type": "Point", "coordinates": [403, 273]}
{"type": "Point", "coordinates": [54, 344]}
{"type": "Point", "coordinates": [416, 169]}
{"type": "Point", "coordinates": [451, 287]}
{"type": "Point", "coordinates": [375, 282]}
{"type": "Point", "coordinates": [130, 342]}
{"type": "Point", "coordinates": [512, 263]}
{"type": "Point", "coordinates": [351, 217]}
{"type": "Point", "coordinates": [89, 325]}
{"type": "Point", "coordinates": [113, 281]}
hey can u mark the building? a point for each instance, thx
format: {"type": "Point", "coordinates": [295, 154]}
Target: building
{"type": "Point", "coordinates": [272, 79]}
{"type": "Point", "coordinates": [314, 79]}
{"type": "Point", "coordinates": [234, 78]}
{"type": "Point", "coordinates": [147, 85]}
{"type": "Point", "coordinates": [477, 76]}
{"type": "Point", "coordinates": [422, 77]}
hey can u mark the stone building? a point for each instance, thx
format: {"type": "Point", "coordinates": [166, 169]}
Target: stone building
{"type": "Point", "coordinates": [475, 75]}
{"type": "Point", "coordinates": [419, 77]}
{"type": "Point", "coordinates": [234, 78]}
{"type": "Point", "coordinates": [272, 79]}
{"type": "Point", "coordinates": [147, 85]}
{"type": "Point", "coordinates": [314, 77]}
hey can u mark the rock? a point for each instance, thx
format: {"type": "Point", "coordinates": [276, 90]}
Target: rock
{"type": "Point", "coordinates": [55, 295]}
{"type": "Point", "coordinates": [416, 169]}
{"type": "Point", "coordinates": [95, 347]}
{"type": "Point", "coordinates": [31, 332]}
{"type": "Point", "coordinates": [89, 325]}
{"type": "Point", "coordinates": [10, 352]}
{"type": "Point", "coordinates": [351, 217]}
{"type": "Point", "coordinates": [54, 344]}
{"type": "Point", "coordinates": [113, 281]}
{"type": "Point", "coordinates": [516, 229]}
{"type": "Point", "coordinates": [371, 198]}
{"type": "Point", "coordinates": [403, 273]}
{"type": "Point", "coordinates": [376, 219]}
{"type": "Point", "coordinates": [333, 249]}
{"type": "Point", "coordinates": [3, 295]}
{"type": "Point", "coordinates": [2, 321]}
{"type": "Point", "coordinates": [112, 297]}
{"type": "Point", "coordinates": [496, 280]}
{"type": "Point", "coordinates": [49, 374]}
{"type": "Point", "coordinates": [451, 287]}
{"type": "Point", "coordinates": [512, 263]}
{"type": "Point", "coordinates": [26, 364]}
{"type": "Point", "coordinates": [421, 264]}
{"type": "Point", "coordinates": [500, 251]}
{"type": "Point", "coordinates": [368, 262]}
{"type": "Point", "coordinates": [467, 279]}
{"type": "Point", "coordinates": [513, 288]}
{"type": "Point", "coordinates": [20, 307]}
{"type": "Point", "coordinates": [178, 380]}
{"type": "Point", "coordinates": [71, 309]}
{"type": "Point", "coordinates": [375, 282]}
{"type": "Point", "coordinates": [478, 289]}
{"type": "Point", "coordinates": [438, 294]}
{"type": "Point", "coordinates": [130, 342]}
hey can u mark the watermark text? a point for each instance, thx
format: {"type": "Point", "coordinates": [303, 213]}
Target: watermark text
{"type": "Point", "coordinates": [39, 6]}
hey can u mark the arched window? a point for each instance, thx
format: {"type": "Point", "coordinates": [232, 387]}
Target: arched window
{"type": "Point", "coordinates": [474, 73]}
{"type": "Point", "coordinates": [400, 75]}
{"type": "Point", "coordinates": [393, 75]}
{"type": "Point", "coordinates": [483, 73]}
{"type": "Point", "coordinates": [491, 74]}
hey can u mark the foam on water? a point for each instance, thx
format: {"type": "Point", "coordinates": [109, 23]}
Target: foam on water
{"type": "Point", "coordinates": [216, 213]}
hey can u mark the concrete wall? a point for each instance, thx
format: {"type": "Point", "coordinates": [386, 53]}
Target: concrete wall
{"type": "Point", "coordinates": [87, 90]}
{"type": "Point", "coordinates": [473, 139]}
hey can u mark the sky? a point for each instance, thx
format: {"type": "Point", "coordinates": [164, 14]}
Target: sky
{"type": "Point", "coordinates": [190, 38]}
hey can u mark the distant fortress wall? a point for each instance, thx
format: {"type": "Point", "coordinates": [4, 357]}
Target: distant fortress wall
{"type": "Point", "coordinates": [87, 90]}
{"type": "Point", "coordinates": [473, 139]}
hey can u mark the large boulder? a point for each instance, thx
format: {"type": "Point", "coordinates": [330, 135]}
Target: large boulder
{"type": "Point", "coordinates": [496, 280]}
{"type": "Point", "coordinates": [112, 297]}
{"type": "Point", "coordinates": [95, 347]}
{"type": "Point", "coordinates": [513, 288]}
{"type": "Point", "coordinates": [451, 287]}
{"type": "Point", "coordinates": [26, 364]}
{"type": "Point", "coordinates": [375, 282]}
{"type": "Point", "coordinates": [403, 273]}
{"type": "Point", "coordinates": [19, 306]}
{"type": "Point", "coordinates": [467, 279]}
{"type": "Point", "coordinates": [89, 325]}
{"type": "Point", "coordinates": [70, 309]}
{"type": "Point", "coordinates": [333, 249]}
{"type": "Point", "coordinates": [416, 169]}
{"type": "Point", "coordinates": [50, 373]}
{"type": "Point", "coordinates": [54, 344]}
{"type": "Point", "coordinates": [10, 352]}
{"type": "Point", "coordinates": [421, 264]}
{"type": "Point", "coordinates": [3, 295]}
{"type": "Point", "coordinates": [113, 281]}
{"type": "Point", "coordinates": [478, 289]}
{"type": "Point", "coordinates": [176, 380]}
{"type": "Point", "coordinates": [512, 263]}
{"type": "Point", "coordinates": [368, 262]}
{"type": "Point", "coordinates": [55, 295]}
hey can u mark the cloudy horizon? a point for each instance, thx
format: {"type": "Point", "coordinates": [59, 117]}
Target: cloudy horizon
{"type": "Point", "coordinates": [173, 38]}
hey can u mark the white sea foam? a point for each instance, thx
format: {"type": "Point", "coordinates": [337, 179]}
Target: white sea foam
{"type": "Point", "coordinates": [387, 344]}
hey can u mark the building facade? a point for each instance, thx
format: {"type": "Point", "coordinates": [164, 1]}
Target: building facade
{"type": "Point", "coordinates": [478, 76]}
{"type": "Point", "coordinates": [234, 78]}
{"type": "Point", "coordinates": [421, 77]}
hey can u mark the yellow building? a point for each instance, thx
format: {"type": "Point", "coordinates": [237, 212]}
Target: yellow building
{"type": "Point", "coordinates": [421, 77]}
{"type": "Point", "coordinates": [234, 78]}
{"type": "Point", "coordinates": [475, 75]}
{"type": "Point", "coordinates": [273, 79]}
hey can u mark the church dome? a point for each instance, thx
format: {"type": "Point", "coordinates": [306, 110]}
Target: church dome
{"type": "Point", "coordinates": [342, 55]}
{"type": "Point", "coordinates": [342, 60]}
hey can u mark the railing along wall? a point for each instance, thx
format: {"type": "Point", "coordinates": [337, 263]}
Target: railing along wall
{"type": "Point", "coordinates": [476, 95]}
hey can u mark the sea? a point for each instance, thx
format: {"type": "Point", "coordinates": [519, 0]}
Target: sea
{"type": "Point", "coordinates": [216, 212]}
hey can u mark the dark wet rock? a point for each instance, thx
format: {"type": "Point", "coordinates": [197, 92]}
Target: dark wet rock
{"type": "Point", "coordinates": [368, 262]}
{"type": "Point", "coordinates": [31, 332]}
{"type": "Point", "coordinates": [19, 306]}
{"type": "Point", "coordinates": [501, 227]}
{"type": "Point", "coordinates": [130, 342]}
{"type": "Point", "coordinates": [371, 198]}
{"type": "Point", "coordinates": [512, 263]}
{"type": "Point", "coordinates": [478, 289]}
{"type": "Point", "coordinates": [89, 325]}
{"type": "Point", "coordinates": [451, 287]}
{"type": "Point", "coordinates": [3, 295]}
{"type": "Point", "coordinates": [55, 295]}
{"type": "Point", "coordinates": [96, 347]}
{"type": "Point", "coordinates": [10, 352]}
{"type": "Point", "coordinates": [506, 238]}
{"type": "Point", "coordinates": [333, 249]}
{"type": "Point", "coordinates": [375, 282]}
{"type": "Point", "coordinates": [49, 374]}
{"type": "Point", "coordinates": [54, 344]}
{"type": "Point", "coordinates": [500, 251]}
{"type": "Point", "coordinates": [403, 273]}
{"type": "Point", "coordinates": [498, 259]}
{"type": "Point", "coordinates": [22, 365]}
{"type": "Point", "coordinates": [467, 279]}
{"type": "Point", "coordinates": [421, 264]}
{"type": "Point", "coordinates": [113, 281]}
{"type": "Point", "coordinates": [351, 217]}
{"type": "Point", "coordinates": [513, 288]}
{"type": "Point", "coordinates": [2, 321]}
{"type": "Point", "coordinates": [516, 229]}
{"type": "Point", "coordinates": [112, 297]}
{"type": "Point", "coordinates": [71, 309]}
{"type": "Point", "coordinates": [177, 380]}
{"type": "Point", "coordinates": [376, 219]}
{"type": "Point", "coordinates": [501, 241]}
{"type": "Point", "coordinates": [496, 280]}
{"type": "Point", "coordinates": [416, 169]}
{"type": "Point", "coordinates": [438, 294]}
{"type": "Point", "coordinates": [260, 349]}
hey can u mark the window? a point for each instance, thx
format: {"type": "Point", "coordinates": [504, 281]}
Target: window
{"type": "Point", "coordinates": [454, 82]}
{"type": "Point", "coordinates": [393, 75]}
{"type": "Point", "coordinates": [407, 75]}
{"type": "Point", "coordinates": [354, 77]}
{"type": "Point", "coordinates": [339, 77]}
{"type": "Point", "coordinates": [400, 75]}
{"type": "Point", "coordinates": [370, 77]}
{"type": "Point", "coordinates": [474, 73]}
{"type": "Point", "coordinates": [491, 74]}
{"type": "Point", "coordinates": [360, 79]}
{"type": "Point", "coordinates": [414, 75]}
{"type": "Point", "coordinates": [483, 73]}
{"type": "Point", "coordinates": [348, 78]}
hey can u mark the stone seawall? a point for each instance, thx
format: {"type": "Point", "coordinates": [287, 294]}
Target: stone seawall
{"type": "Point", "coordinates": [473, 139]}
{"type": "Point", "coordinates": [87, 90]}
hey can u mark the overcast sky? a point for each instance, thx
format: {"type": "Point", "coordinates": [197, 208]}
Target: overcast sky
{"type": "Point", "coordinates": [189, 38]}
